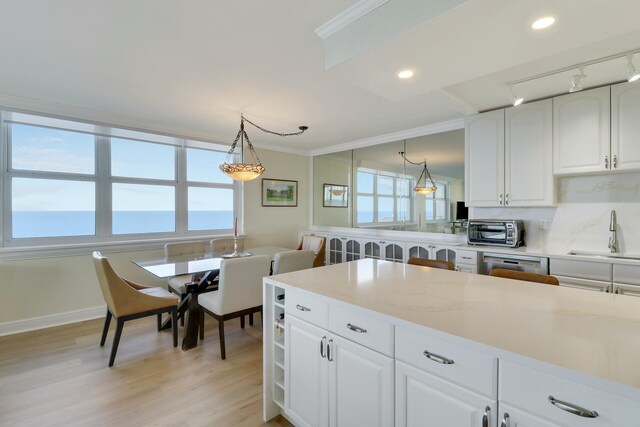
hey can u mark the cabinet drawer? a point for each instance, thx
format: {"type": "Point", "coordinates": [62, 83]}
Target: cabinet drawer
{"type": "Point", "coordinates": [581, 269]}
{"type": "Point", "coordinates": [623, 273]}
{"type": "Point", "coordinates": [531, 390]}
{"type": "Point", "coordinates": [471, 369]}
{"type": "Point", "coordinates": [467, 257]}
{"type": "Point", "coordinates": [358, 327]}
{"type": "Point", "coordinates": [306, 307]}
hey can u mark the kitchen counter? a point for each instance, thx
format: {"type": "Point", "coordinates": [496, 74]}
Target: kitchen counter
{"type": "Point", "coordinates": [592, 333]}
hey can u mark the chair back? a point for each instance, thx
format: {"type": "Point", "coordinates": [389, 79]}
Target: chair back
{"type": "Point", "coordinates": [317, 244]}
{"type": "Point", "coordinates": [185, 248]}
{"type": "Point", "coordinates": [240, 284]}
{"type": "Point", "coordinates": [118, 295]}
{"type": "Point", "coordinates": [521, 275]}
{"type": "Point", "coordinates": [433, 263]}
{"type": "Point", "coordinates": [288, 261]}
{"type": "Point", "coordinates": [221, 246]}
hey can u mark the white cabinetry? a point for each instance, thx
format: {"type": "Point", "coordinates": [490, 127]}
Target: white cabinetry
{"type": "Point", "coordinates": [466, 261]}
{"type": "Point", "coordinates": [626, 279]}
{"type": "Point", "coordinates": [625, 126]}
{"type": "Point", "coordinates": [547, 400]}
{"type": "Point", "coordinates": [593, 276]}
{"type": "Point", "coordinates": [333, 381]}
{"type": "Point", "coordinates": [343, 249]}
{"type": "Point", "coordinates": [382, 249]}
{"type": "Point", "coordinates": [508, 157]}
{"type": "Point", "coordinates": [430, 251]}
{"type": "Point", "coordinates": [581, 132]}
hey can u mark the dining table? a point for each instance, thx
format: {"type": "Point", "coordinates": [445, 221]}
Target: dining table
{"type": "Point", "coordinates": [205, 267]}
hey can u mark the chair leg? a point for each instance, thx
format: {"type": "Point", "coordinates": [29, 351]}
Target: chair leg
{"type": "Point", "coordinates": [201, 316]}
{"type": "Point", "coordinates": [242, 321]}
{"type": "Point", "coordinates": [182, 297]}
{"type": "Point", "coordinates": [116, 340]}
{"type": "Point", "coordinates": [223, 354]}
{"type": "Point", "coordinates": [251, 319]}
{"type": "Point", "coordinates": [174, 325]}
{"type": "Point", "coordinates": [159, 321]}
{"type": "Point", "coordinates": [105, 330]}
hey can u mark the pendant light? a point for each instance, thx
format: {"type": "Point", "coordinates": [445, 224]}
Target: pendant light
{"type": "Point", "coordinates": [242, 171]}
{"type": "Point", "coordinates": [422, 189]}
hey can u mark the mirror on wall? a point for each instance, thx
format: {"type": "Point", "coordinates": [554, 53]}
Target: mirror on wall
{"type": "Point", "coordinates": [373, 186]}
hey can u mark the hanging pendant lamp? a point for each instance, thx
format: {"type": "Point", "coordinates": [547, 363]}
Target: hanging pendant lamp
{"type": "Point", "coordinates": [422, 189]}
{"type": "Point", "coordinates": [243, 171]}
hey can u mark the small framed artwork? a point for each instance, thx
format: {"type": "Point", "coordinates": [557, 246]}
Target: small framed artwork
{"type": "Point", "coordinates": [279, 192]}
{"type": "Point", "coordinates": [335, 196]}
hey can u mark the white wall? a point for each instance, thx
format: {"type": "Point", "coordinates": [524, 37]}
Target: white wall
{"type": "Point", "coordinates": [580, 221]}
{"type": "Point", "coordinates": [50, 291]}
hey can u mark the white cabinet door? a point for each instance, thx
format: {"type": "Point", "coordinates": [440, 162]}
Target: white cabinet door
{"type": "Point", "coordinates": [625, 126]}
{"type": "Point", "coordinates": [306, 374]}
{"type": "Point", "coordinates": [335, 249]}
{"type": "Point", "coordinates": [529, 155]}
{"type": "Point", "coordinates": [416, 250]}
{"type": "Point", "coordinates": [581, 132]}
{"type": "Point", "coordinates": [423, 399]}
{"type": "Point", "coordinates": [624, 289]}
{"type": "Point", "coordinates": [512, 417]}
{"type": "Point", "coordinates": [360, 385]}
{"type": "Point", "coordinates": [353, 249]}
{"type": "Point", "coordinates": [484, 159]}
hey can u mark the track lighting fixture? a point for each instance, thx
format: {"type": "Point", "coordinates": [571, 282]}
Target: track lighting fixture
{"type": "Point", "coordinates": [515, 99]}
{"type": "Point", "coordinates": [633, 73]}
{"type": "Point", "coordinates": [576, 81]}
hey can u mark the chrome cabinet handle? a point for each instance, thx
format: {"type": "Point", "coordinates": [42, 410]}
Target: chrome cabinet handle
{"type": "Point", "coordinates": [457, 268]}
{"type": "Point", "coordinates": [606, 162]}
{"type": "Point", "coordinates": [329, 351]}
{"type": "Point", "coordinates": [573, 409]}
{"type": "Point", "coordinates": [485, 417]}
{"type": "Point", "coordinates": [505, 420]}
{"type": "Point", "coordinates": [437, 358]}
{"type": "Point", "coordinates": [500, 199]}
{"type": "Point", "coordinates": [322, 345]}
{"type": "Point", "coordinates": [615, 162]}
{"type": "Point", "coordinates": [357, 329]}
{"type": "Point", "coordinates": [302, 307]}
{"type": "Point", "coordinates": [506, 199]}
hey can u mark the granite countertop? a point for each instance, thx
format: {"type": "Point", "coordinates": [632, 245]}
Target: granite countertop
{"type": "Point", "coordinates": [590, 332]}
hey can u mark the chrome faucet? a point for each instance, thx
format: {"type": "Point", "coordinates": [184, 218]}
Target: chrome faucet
{"type": "Point", "coordinates": [613, 240]}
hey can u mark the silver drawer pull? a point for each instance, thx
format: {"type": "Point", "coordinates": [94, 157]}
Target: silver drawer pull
{"type": "Point", "coordinates": [302, 307]}
{"type": "Point", "coordinates": [438, 358]}
{"type": "Point", "coordinates": [574, 409]}
{"type": "Point", "coordinates": [357, 329]}
{"type": "Point", "coordinates": [485, 416]}
{"type": "Point", "coordinates": [505, 420]}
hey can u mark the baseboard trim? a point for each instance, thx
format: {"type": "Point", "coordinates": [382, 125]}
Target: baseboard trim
{"type": "Point", "coordinates": [35, 323]}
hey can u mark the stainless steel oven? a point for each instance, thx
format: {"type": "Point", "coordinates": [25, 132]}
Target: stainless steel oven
{"type": "Point", "coordinates": [496, 232]}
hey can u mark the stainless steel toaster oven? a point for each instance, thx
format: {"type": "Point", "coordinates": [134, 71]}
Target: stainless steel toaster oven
{"type": "Point", "coordinates": [496, 232]}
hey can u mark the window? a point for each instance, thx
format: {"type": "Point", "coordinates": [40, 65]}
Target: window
{"type": "Point", "coordinates": [383, 197]}
{"type": "Point", "coordinates": [72, 182]}
{"type": "Point", "coordinates": [437, 204]}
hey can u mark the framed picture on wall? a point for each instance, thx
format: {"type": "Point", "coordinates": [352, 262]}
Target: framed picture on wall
{"type": "Point", "coordinates": [335, 196]}
{"type": "Point", "coordinates": [279, 192]}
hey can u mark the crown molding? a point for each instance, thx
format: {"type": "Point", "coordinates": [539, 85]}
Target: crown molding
{"type": "Point", "coordinates": [347, 17]}
{"type": "Point", "coordinates": [394, 136]}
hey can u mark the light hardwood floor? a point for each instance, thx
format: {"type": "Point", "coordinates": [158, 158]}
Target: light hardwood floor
{"type": "Point", "coordinates": [59, 376]}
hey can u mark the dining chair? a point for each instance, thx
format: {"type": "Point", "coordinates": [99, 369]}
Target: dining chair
{"type": "Point", "coordinates": [221, 246]}
{"type": "Point", "coordinates": [317, 244]}
{"type": "Point", "coordinates": [239, 293]}
{"type": "Point", "coordinates": [127, 301]}
{"type": "Point", "coordinates": [522, 275]}
{"type": "Point", "coordinates": [288, 261]}
{"type": "Point", "coordinates": [433, 263]}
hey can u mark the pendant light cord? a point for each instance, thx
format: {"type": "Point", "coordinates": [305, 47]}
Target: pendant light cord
{"type": "Point", "coordinates": [425, 169]}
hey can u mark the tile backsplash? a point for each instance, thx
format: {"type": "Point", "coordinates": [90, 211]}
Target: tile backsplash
{"type": "Point", "coordinates": [580, 220]}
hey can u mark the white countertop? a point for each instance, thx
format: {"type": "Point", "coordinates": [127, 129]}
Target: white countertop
{"type": "Point", "coordinates": [590, 332]}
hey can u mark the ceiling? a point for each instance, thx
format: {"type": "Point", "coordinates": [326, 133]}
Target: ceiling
{"type": "Point", "coordinates": [191, 67]}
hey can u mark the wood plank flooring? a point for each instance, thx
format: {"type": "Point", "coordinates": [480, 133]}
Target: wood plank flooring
{"type": "Point", "coordinates": [59, 376]}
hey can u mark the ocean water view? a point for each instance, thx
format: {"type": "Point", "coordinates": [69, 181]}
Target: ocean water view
{"type": "Point", "coordinates": [26, 224]}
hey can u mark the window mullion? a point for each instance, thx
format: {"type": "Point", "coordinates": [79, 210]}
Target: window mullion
{"type": "Point", "coordinates": [103, 187]}
{"type": "Point", "coordinates": [182, 201]}
{"type": "Point", "coordinates": [5, 198]}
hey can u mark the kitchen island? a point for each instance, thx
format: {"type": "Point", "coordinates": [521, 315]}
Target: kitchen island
{"type": "Point", "coordinates": [457, 348]}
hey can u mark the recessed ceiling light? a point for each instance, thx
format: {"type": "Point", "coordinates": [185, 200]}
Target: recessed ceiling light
{"type": "Point", "coordinates": [405, 74]}
{"type": "Point", "coordinates": [542, 23]}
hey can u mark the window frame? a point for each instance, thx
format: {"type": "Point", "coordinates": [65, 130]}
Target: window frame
{"type": "Point", "coordinates": [433, 199]}
{"type": "Point", "coordinates": [103, 186]}
{"type": "Point", "coordinates": [395, 196]}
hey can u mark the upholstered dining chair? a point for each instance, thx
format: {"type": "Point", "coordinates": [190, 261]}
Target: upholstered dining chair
{"type": "Point", "coordinates": [127, 301]}
{"type": "Point", "coordinates": [239, 293]}
{"type": "Point", "coordinates": [221, 246]}
{"type": "Point", "coordinates": [317, 244]}
{"type": "Point", "coordinates": [528, 277]}
{"type": "Point", "coordinates": [178, 284]}
{"type": "Point", "coordinates": [288, 261]}
{"type": "Point", "coordinates": [434, 263]}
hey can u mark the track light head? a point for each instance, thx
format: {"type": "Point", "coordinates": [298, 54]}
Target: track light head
{"type": "Point", "coordinates": [633, 74]}
{"type": "Point", "coordinates": [576, 81]}
{"type": "Point", "coordinates": [515, 99]}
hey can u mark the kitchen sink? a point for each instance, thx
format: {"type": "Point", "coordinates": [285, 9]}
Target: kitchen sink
{"type": "Point", "coordinates": [604, 255]}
